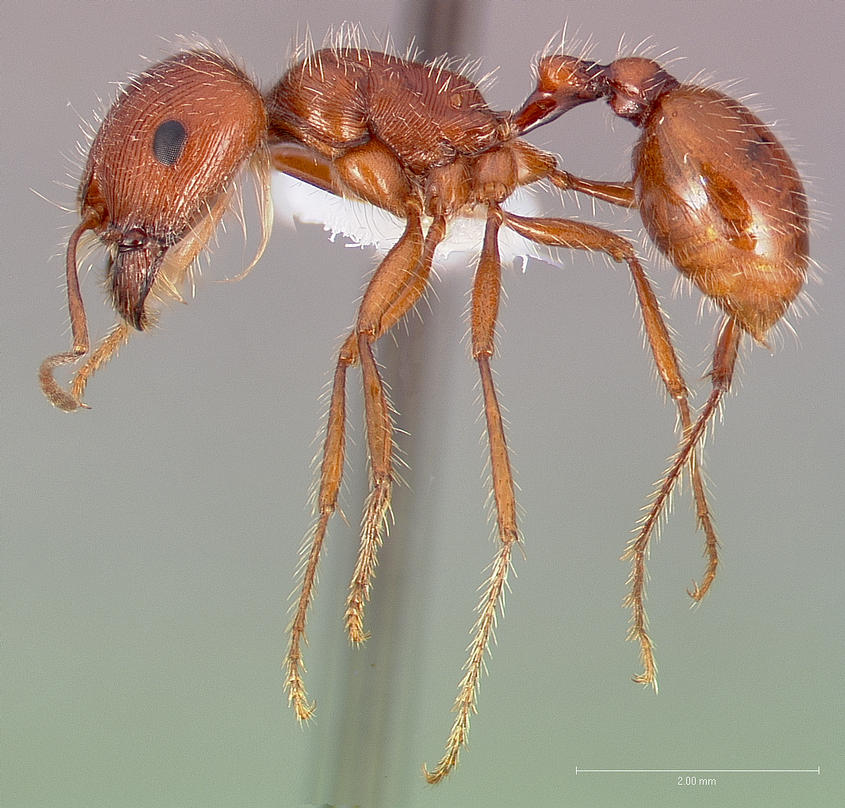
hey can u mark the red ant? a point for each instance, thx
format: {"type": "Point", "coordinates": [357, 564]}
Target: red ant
{"type": "Point", "coordinates": [417, 140]}
{"type": "Point", "coordinates": [722, 200]}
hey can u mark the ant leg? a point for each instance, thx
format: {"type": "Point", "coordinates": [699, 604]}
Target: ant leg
{"type": "Point", "coordinates": [617, 193]}
{"type": "Point", "coordinates": [579, 235]}
{"type": "Point", "coordinates": [385, 286]}
{"type": "Point", "coordinates": [623, 194]}
{"type": "Point", "coordinates": [302, 163]}
{"type": "Point", "coordinates": [485, 306]}
{"type": "Point", "coordinates": [398, 284]}
{"type": "Point", "coordinates": [724, 362]}
{"type": "Point", "coordinates": [331, 470]}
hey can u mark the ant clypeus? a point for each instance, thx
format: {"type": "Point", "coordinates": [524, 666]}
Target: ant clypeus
{"type": "Point", "coordinates": [419, 141]}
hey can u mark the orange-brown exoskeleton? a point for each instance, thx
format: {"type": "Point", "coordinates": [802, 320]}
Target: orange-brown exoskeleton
{"type": "Point", "coordinates": [159, 177]}
{"type": "Point", "coordinates": [722, 200]}
{"type": "Point", "coordinates": [419, 141]}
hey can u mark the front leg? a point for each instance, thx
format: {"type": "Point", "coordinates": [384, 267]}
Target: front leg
{"type": "Point", "coordinates": [304, 164]}
{"type": "Point", "coordinates": [404, 295]}
{"type": "Point", "coordinates": [386, 287]}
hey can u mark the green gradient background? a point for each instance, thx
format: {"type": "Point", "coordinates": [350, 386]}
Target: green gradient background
{"type": "Point", "coordinates": [149, 545]}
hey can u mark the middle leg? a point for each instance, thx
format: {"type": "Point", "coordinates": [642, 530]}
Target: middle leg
{"type": "Point", "coordinates": [485, 306]}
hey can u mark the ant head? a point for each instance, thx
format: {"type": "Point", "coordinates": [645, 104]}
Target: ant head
{"type": "Point", "coordinates": [160, 170]}
{"type": "Point", "coordinates": [563, 82]}
{"type": "Point", "coordinates": [634, 86]}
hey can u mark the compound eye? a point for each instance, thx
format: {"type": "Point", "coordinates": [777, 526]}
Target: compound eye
{"type": "Point", "coordinates": [169, 142]}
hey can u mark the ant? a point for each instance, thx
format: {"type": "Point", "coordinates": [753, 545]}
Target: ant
{"type": "Point", "coordinates": [419, 141]}
{"type": "Point", "coordinates": [722, 200]}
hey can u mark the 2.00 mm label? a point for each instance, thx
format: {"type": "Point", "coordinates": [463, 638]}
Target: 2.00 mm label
{"type": "Point", "coordinates": [692, 780]}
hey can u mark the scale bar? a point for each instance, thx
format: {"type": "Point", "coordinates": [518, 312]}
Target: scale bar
{"type": "Point", "coordinates": [817, 770]}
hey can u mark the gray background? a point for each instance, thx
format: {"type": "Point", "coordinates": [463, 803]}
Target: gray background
{"type": "Point", "coordinates": [149, 544]}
